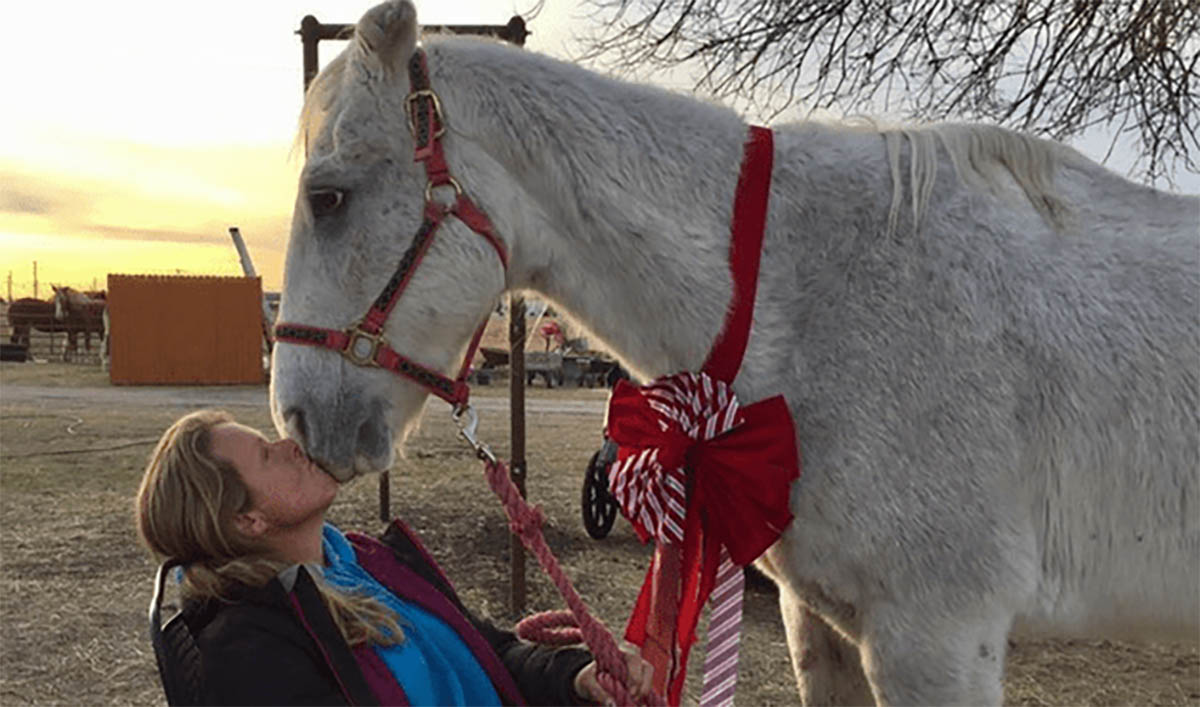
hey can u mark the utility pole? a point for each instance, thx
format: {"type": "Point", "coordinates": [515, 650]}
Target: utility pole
{"type": "Point", "coordinates": [10, 299]}
{"type": "Point", "coordinates": [35, 279]}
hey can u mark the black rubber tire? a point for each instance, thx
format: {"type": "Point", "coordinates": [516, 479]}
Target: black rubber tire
{"type": "Point", "coordinates": [599, 507]}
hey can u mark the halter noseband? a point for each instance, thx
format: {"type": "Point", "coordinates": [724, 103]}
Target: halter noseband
{"type": "Point", "coordinates": [363, 342]}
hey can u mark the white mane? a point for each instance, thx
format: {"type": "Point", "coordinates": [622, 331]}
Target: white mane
{"type": "Point", "coordinates": [984, 156]}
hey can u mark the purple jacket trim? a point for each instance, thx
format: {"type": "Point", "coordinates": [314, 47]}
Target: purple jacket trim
{"type": "Point", "coordinates": [416, 541]}
{"type": "Point", "coordinates": [379, 677]}
{"type": "Point", "coordinates": [377, 559]}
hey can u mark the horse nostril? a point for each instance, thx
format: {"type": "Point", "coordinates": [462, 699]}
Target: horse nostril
{"type": "Point", "coordinates": [294, 420]}
{"type": "Point", "coordinates": [371, 438]}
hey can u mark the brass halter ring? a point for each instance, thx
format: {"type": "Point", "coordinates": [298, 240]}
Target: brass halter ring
{"type": "Point", "coordinates": [451, 182]}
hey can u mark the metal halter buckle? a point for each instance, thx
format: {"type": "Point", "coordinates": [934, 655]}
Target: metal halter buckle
{"type": "Point", "coordinates": [468, 422]}
{"type": "Point", "coordinates": [362, 356]}
{"type": "Point", "coordinates": [415, 96]}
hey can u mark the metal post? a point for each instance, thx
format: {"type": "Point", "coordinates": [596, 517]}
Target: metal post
{"type": "Point", "coordinates": [248, 270]}
{"type": "Point", "coordinates": [516, 387]}
{"type": "Point", "coordinates": [244, 255]}
{"type": "Point", "coordinates": [385, 497]}
{"type": "Point", "coordinates": [311, 33]}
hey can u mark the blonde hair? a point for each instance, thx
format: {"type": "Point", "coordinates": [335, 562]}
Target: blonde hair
{"type": "Point", "coordinates": [185, 509]}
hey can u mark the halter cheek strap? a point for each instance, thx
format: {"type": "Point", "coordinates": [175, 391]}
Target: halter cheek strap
{"type": "Point", "coordinates": [363, 342]}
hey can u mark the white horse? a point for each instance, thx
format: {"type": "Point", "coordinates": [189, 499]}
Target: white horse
{"type": "Point", "coordinates": [990, 344]}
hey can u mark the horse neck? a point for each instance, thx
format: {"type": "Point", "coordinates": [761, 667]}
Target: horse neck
{"type": "Point", "coordinates": [624, 195]}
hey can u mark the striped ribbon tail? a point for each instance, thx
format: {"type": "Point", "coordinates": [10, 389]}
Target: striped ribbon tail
{"type": "Point", "coordinates": [724, 634]}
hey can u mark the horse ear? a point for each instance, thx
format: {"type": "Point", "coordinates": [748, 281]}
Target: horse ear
{"type": "Point", "coordinates": [388, 33]}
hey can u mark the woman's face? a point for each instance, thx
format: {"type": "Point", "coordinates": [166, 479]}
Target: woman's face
{"type": "Point", "coordinates": [286, 488]}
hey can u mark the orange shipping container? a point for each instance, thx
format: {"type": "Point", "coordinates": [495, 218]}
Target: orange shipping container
{"type": "Point", "coordinates": [184, 329]}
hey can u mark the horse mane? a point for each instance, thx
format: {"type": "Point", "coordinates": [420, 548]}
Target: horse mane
{"type": "Point", "coordinates": [981, 155]}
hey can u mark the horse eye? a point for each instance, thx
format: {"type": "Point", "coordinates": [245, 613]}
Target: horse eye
{"type": "Point", "coordinates": [325, 201]}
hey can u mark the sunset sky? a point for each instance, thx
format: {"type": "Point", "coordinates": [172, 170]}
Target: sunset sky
{"type": "Point", "coordinates": [136, 132]}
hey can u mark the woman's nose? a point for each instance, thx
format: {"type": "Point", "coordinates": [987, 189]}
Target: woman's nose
{"type": "Point", "coordinates": [285, 448]}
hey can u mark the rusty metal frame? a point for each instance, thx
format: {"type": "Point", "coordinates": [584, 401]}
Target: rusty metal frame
{"type": "Point", "coordinates": [312, 31]}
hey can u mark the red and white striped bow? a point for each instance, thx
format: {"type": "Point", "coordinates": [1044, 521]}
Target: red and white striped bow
{"type": "Point", "coordinates": [700, 473]}
{"type": "Point", "coordinates": [650, 483]}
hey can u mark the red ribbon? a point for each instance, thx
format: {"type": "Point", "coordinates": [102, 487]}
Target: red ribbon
{"type": "Point", "coordinates": [739, 484]}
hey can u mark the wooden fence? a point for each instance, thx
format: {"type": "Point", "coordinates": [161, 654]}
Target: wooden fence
{"type": "Point", "coordinates": [183, 329]}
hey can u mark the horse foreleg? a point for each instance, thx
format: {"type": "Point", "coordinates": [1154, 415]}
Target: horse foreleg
{"type": "Point", "coordinates": [826, 663]}
{"type": "Point", "coordinates": [929, 657]}
{"type": "Point", "coordinates": [827, 666]}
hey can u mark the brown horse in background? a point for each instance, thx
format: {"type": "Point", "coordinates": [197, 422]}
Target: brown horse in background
{"type": "Point", "coordinates": [80, 312]}
{"type": "Point", "coordinates": [28, 313]}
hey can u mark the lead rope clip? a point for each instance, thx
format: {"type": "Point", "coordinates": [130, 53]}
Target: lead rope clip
{"type": "Point", "coordinates": [467, 420]}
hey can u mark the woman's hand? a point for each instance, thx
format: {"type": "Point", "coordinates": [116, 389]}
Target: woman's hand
{"type": "Point", "coordinates": [641, 680]}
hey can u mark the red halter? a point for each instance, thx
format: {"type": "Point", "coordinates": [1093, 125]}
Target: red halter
{"type": "Point", "coordinates": [363, 342]}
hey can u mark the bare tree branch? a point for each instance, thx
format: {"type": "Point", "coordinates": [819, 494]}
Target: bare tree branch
{"type": "Point", "coordinates": [1052, 67]}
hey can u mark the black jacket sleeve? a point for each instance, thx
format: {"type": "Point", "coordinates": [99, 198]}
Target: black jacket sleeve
{"type": "Point", "coordinates": [262, 656]}
{"type": "Point", "coordinates": [545, 675]}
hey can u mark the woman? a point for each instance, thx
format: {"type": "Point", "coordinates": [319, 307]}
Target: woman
{"type": "Point", "coordinates": [288, 610]}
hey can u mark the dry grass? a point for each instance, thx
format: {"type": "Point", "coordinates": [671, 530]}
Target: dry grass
{"type": "Point", "coordinates": [52, 374]}
{"type": "Point", "coordinates": [75, 584]}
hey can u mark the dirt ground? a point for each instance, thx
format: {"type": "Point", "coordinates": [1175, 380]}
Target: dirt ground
{"type": "Point", "coordinates": [75, 584]}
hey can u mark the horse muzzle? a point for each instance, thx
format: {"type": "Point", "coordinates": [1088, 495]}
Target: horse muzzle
{"type": "Point", "coordinates": [345, 443]}
{"type": "Point", "coordinates": [344, 428]}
